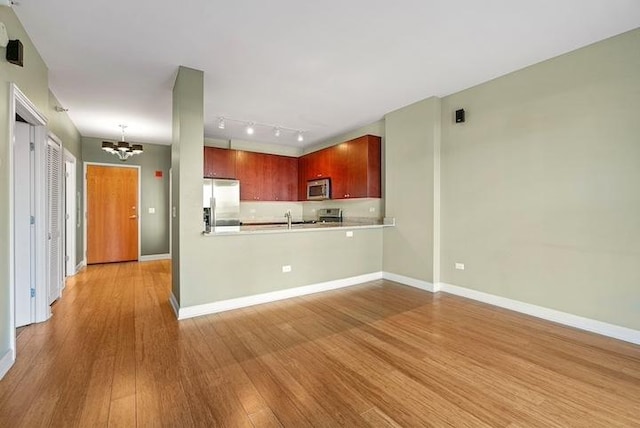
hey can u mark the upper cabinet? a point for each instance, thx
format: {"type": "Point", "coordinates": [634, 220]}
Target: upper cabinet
{"type": "Point", "coordinates": [352, 166]}
{"type": "Point", "coordinates": [265, 177]}
{"type": "Point", "coordinates": [219, 163]}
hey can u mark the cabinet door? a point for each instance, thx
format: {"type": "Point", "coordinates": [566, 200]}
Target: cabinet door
{"type": "Point", "coordinates": [357, 167]}
{"type": "Point", "coordinates": [318, 164]}
{"type": "Point", "coordinates": [208, 163]}
{"type": "Point", "coordinates": [302, 178]}
{"type": "Point", "coordinates": [340, 171]}
{"type": "Point", "coordinates": [249, 172]}
{"type": "Point", "coordinates": [289, 171]}
{"type": "Point", "coordinates": [219, 163]}
{"type": "Point", "coordinates": [374, 167]}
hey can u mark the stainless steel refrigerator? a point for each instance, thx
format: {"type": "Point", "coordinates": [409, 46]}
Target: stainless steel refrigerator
{"type": "Point", "coordinates": [221, 202]}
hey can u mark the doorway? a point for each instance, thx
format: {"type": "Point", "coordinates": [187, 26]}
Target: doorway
{"type": "Point", "coordinates": [24, 222]}
{"type": "Point", "coordinates": [27, 218]}
{"type": "Point", "coordinates": [70, 206]}
{"type": "Point", "coordinates": [112, 209]}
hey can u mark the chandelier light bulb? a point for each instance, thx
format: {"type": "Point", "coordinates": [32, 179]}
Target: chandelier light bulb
{"type": "Point", "coordinates": [221, 123]}
{"type": "Point", "coordinates": [250, 129]}
{"type": "Point", "coordinates": [276, 131]}
{"type": "Point", "coordinates": [300, 137]}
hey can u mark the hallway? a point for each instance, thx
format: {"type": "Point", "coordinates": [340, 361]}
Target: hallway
{"type": "Point", "coordinates": [377, 354]}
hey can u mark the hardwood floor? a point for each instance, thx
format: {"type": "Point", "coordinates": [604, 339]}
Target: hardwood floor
{"type": "Point", "coordinates": [378, 354]}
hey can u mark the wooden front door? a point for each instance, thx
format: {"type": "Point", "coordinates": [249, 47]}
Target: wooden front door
{"type": "Point", "coordinates": [112, 214]}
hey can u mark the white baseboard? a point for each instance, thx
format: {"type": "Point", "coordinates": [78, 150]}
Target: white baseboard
{"type": "Point", "coordinates": [6, 362]}
{"type": "Point", "coordinates": [152, 257]}
{"type": "Point", "coordinates": [80, 266]}
{"type": "Point", "coordinates": [257, 299]}
{"type": "Point", "coordinates": [412, 282]}
{"type": "Point", "coordinates": [582, 323]}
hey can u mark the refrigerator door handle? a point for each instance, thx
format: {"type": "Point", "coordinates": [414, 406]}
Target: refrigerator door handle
{"type": "Point", "coordinates": [212, 213]}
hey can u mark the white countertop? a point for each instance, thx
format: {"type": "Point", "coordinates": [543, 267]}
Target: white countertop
{"type": "Point", "coordinates": [305, 227]}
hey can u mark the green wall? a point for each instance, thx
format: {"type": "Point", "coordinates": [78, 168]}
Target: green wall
{"type": "Point", "coordinates": [541, 185]}
{"type": "Point", "coordinates": [32, 80]}
{"type": "Point", "coordinates": [60, 124]}
{"type": "Point", "coordinates": [154, 228]}
{"type": "Point", "coordinates": [412, 144]}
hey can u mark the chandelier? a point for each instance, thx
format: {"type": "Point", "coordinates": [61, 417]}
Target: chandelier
{"type": "Point", "coordinates": [122, 149]}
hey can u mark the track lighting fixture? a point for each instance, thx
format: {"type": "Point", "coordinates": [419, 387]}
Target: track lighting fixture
{"type": "Point", "coordinates": [258, 129]}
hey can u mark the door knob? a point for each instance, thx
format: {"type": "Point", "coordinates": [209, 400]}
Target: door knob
{"type": "Point", "coordinates": [132, 216]}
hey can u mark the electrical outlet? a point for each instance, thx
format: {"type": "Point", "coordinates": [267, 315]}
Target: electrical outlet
{"type": "Point", "coordinates": [372, 209]}
{"type": "Point", "coordinates": [286, 268]}
{"type": "Point", "coordinates": [350, 234]}
{"type": "Point", "coordinates": [460, 266]}
{"type": "Point", "coordinates": [152, 210]}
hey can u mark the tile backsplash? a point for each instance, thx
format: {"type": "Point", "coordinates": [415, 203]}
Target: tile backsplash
{"type": "Point", "coordinates": [274, 211]}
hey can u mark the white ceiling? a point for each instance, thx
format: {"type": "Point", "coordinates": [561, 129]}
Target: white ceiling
{"type": "Point", "coordinates": [321, 67]}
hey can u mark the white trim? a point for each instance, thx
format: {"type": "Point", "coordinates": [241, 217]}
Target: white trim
{"type": "Point", "coordinates": [152, 257]}
{"type": "Point", "coordinates": [412, 282]}
{"type": "Point", "coordinates": [582, 323]}
{"type": "Point", "coordinates": [84, 202]}
{"type": "Point", "coordinates": [7, 362]}
{"type": "Point", "coordinates": [20, 104]}
{"type": "Point", "coordinates": [81, 265]}
{"type": "Point", "coordinates": [70, 233]}
{"type": "Point", "coordinates": [257, 299]}
{"type": "Point", "coordinates": [174, 305]}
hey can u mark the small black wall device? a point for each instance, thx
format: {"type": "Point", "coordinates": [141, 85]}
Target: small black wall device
{"type": "Point", "coordinates": [460, 115]}
{"type": "Point", "coordinates": [14, 52]}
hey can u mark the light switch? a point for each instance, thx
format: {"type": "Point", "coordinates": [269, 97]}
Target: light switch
{"type": "Point", "coordinates": [350, 234]}
{"type": "Point", "coordinates": [152, 210]}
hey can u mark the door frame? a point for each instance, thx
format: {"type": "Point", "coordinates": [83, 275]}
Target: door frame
{"type": "Point", "coordinates": [139, 205]}
{"type": "Point", "coordinates": [20, 104]}
{"type": "Point", "coordinates": [70, 235]}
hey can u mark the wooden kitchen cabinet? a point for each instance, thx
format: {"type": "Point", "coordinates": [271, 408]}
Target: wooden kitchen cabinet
{"type": "Point", "coordinates": [352, 166]}
{"type": "Point", "coordinates": [318, 164]}
{"type": "Point", "coordinates": [266, 177]}
{"type": "Point", "coordinates": [219, 163]}
{"type": "Point", "coordinates": [249, 170]}
{"type": "Point", "coordinates": [284, 177]}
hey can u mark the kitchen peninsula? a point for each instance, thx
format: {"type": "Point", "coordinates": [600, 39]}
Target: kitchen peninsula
{"type": "Point", "coordinates": [263, 261]}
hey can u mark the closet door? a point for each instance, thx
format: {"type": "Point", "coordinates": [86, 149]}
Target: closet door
{"type": "Point", "coordinates": [54, 220]}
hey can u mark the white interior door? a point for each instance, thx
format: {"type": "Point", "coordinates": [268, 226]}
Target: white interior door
{"type": "Point", "coordinates": [24, 232]}
{"type": "Point", "coordinates": [54, 220]}
{"type": "Point", "coordinates": [70, 215]}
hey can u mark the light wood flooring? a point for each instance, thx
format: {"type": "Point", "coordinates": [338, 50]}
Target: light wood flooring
{"type": "Point", "coordinates": [378, 354]}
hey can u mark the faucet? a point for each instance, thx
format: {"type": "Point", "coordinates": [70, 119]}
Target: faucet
{"type": "Point", "coordinates": [288, 217]}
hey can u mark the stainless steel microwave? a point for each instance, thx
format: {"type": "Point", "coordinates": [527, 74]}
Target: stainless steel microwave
{"type": "Point", "coordinates": [319, 189]}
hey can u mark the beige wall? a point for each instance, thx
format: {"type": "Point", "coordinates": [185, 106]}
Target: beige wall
{"type": "Point", "coordinates": [154, 228]}
{"type": "Point", "coordinates": [187, 157]}
{"type": "Point", "coordinates": [412, 140]}
{"type": "Point", "coordinates": [541, 185]}
{"type": "Point", "coordinates": [225, 267]}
